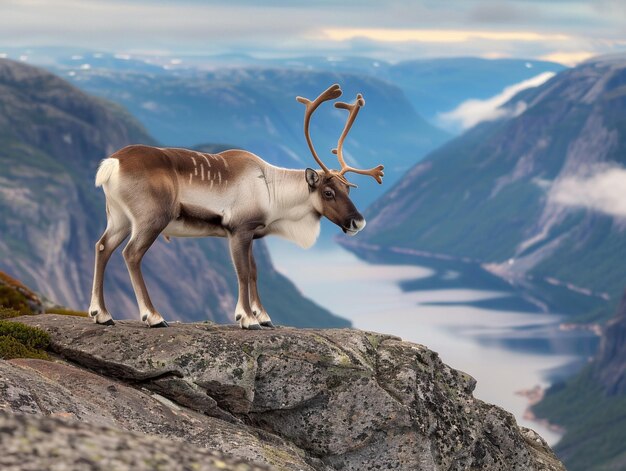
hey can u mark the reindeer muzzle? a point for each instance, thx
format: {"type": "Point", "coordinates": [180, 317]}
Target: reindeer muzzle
{"type": "Point", "coordinates": [354, 226]}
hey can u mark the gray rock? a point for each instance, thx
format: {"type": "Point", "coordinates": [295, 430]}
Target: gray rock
{"type": "Point", "coordinates": [61, 390]}
{"type": "Point", "coordinates": [33, 443]}
{"type": "Point", "coordinates": [351, 400]}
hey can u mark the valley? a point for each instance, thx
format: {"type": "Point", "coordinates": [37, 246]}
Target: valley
{"type": "Point", "coordinates": [497, 246]}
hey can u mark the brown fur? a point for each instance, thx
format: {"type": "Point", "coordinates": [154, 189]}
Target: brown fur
{"type": "Point", "coordinates": [152, 196]}
{"type": "Point", "coordinates": [233, 194]}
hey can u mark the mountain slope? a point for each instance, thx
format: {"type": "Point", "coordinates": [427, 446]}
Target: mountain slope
{"type": "Point", "coordinates": [257, 110]}
{"type": "Point", "coordinates": [438, 85]}
{"type": "Point", "coordinates": [52, 137]}
{"type": "Point", "coordinates": [592, 405]}
{"type": "Point", "coordinates": [495, 194]}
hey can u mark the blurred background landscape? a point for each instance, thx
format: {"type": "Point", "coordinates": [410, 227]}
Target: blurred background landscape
{"type": "Point", "coordinates": [498, 237]}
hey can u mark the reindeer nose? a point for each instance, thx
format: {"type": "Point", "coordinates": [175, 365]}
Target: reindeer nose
{"type": "Point", "coordinates": [357, 223]}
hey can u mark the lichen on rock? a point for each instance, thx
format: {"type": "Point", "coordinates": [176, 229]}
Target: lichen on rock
{"type": "Point", "coordinates": [328, 399]}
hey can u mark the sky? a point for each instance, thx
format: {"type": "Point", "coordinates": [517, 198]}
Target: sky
{"type": "Point", "coordinates": [565, 31]}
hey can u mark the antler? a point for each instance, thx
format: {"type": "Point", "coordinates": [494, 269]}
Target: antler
{"type": "Point", "coordinates": [332, 92]}
{"type": "Point", "coordinates": [353, 108]}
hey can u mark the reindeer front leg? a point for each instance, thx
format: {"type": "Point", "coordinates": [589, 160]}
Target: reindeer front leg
{"type": "Point", "coordinates": [240, 244]}
{"type": "Point", "coordinates": [257, 308]}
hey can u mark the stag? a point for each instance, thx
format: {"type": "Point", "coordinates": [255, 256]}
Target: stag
{"type": "Point", "coordinates": [233, 194]}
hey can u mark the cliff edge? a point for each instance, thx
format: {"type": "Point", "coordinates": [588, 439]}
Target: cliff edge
{"type": "Point", "coordinates": [284, 399]}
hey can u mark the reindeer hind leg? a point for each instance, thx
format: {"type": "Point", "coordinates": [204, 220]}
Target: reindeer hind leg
{"type": "Point", "coordinates": [118, 228]}
{"type": "Point", "coordinates": [143, 236]}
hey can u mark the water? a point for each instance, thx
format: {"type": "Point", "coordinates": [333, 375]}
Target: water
{"type": "Point", "coordinates": [507, 351]}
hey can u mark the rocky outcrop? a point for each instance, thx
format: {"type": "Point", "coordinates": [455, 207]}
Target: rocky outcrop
{"type": "Point", "coordinates": [32, 443]}
{"type": "Point", "coordinates": [60, 390]}
{"type": "Point", "coordinates": [285, 398]}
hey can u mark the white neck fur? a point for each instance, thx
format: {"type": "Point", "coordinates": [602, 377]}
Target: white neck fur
{"type": "Point", "coordinates": [293, 206]}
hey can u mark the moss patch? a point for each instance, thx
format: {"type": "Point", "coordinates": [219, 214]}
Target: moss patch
{"type": "Point", "coordinates": [13, 348]}
{"type": "Point", "coordinates": [8, 313]}
{"type": "Point", "coordinates": [22, 341]}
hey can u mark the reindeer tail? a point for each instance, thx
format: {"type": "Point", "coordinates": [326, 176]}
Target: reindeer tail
{"type": "Point", "coordinates": [106, 169]}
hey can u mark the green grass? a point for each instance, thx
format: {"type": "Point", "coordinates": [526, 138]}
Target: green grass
{"type": "Point", "coordinates": [22, 341]}
{"type": "Point", "coordinates": [30, 336]}
{"type": "Point", "coordinates": [9, 312]}
{"type": "Point", "coordinates": [12, 348]}
{"type": "Point", "coordinates": [595, 423]}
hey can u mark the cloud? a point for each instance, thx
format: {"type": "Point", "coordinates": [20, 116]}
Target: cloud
{"type": "Point", "coordinates": [388, 30]}
{"type": "Point", "coordinates": [473, 111]}
{"type": "Point", "coordinates": [493, 12]}
{"type": "Point", "coordinates": [437, 35]}
{"type": "Point", "coordinates": [570, 58]}
{"type": "Point", "coordinates": [603, 189]}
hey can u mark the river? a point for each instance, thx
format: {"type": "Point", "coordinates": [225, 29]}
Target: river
{"type": "Point", "coordinates": [506, 350]}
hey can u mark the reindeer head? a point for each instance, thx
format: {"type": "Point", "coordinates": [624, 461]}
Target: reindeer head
{"type": "Point", "coordinates": [329, 187]}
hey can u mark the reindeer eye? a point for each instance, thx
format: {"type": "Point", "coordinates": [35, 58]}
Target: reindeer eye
{"type": "Point", "coordinates": [329, 194]}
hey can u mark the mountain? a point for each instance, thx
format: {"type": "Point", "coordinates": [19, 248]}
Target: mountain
{"type": "Point", "coordinates": [610, 366]}
{"type": "Point", "coordinates": [255, 109]}
{"type": "Point", "coordinates": [432, 85]}
{"type": "Point", "coordinates": [591, 406]}
{"type": "Point", "coordinates": [183, 106]}
{"type": "Point", "coordinates": [435, 86]}
{"type": "Point", "coordinates": [52, 137]}
{"type": "Point", "coordinates": [523, 196]}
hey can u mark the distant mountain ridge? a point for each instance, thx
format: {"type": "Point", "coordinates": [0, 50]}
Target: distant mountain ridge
{"type": "Point", "coordinates": [490, 194]}
{"type": "Point", "coordinates": [187, 100]}
{"type": "Point", "coordinates": [52, 137]}
{"type": "Point", "coordinates": [432, 85]}
{"type": "Point", "coordinates": [256, 109]}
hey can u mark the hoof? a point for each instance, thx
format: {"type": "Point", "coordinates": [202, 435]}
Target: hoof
{"type": "Point", "coordinates": [160, 324]}
{"type": "Point", "coordinates": [109, 322]}
{"type": "Point", "coordinates": [252, 327]}
{"type": "Point", "coordinates": [268, 324]}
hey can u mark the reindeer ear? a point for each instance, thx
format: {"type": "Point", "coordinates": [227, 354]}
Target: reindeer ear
{"type": "Point", "coordinates": [312, 178]}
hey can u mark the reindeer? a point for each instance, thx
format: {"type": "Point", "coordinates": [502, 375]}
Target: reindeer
{"type": "Point", "coordinates": [233, 194]}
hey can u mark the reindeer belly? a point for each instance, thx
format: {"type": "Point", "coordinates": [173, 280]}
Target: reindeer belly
{"type": "Point", "coordinates": [185, 228]}
{"type": "Point", "coordinates": [196, 221]}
